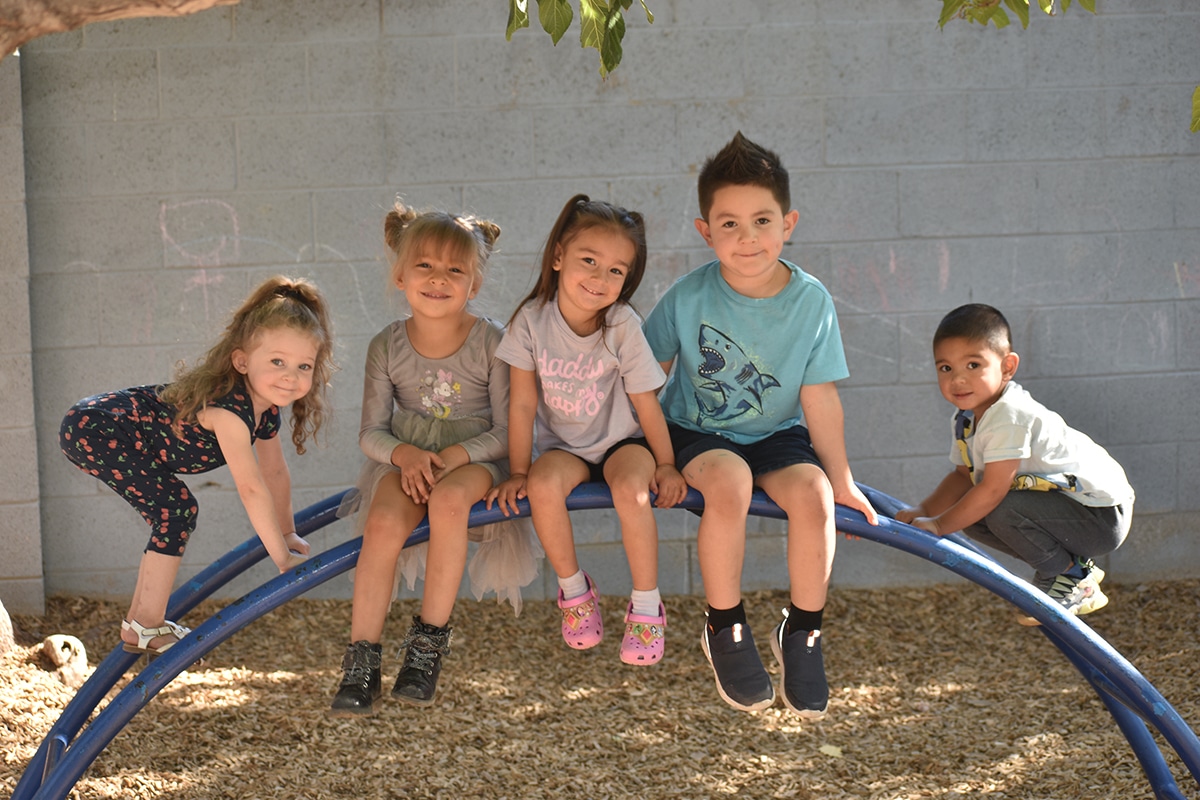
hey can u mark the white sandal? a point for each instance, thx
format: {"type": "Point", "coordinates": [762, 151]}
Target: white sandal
{"type": "Point", "coordinates": [147, 635]}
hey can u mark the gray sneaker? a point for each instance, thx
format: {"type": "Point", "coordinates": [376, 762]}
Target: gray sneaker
{"type": "Point", "coordinates": [801, 670]}
{"type": "Point", "coordinates": [742, 680]}
{"type": "Point", "coordinates": [1076, 595]}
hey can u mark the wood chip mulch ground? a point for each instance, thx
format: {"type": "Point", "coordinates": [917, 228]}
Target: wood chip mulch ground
{"type": "Point", "coordinates": [937, 693]}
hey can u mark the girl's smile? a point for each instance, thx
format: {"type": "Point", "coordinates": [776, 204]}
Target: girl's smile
{"type": "Point", "coordinates": [278, 367]}
{"type": "Point", "coordinates": [592, 268]}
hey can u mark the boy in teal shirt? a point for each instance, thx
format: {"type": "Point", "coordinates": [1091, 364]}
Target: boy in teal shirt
{"type": "Point", "coordinates": [752, 403]}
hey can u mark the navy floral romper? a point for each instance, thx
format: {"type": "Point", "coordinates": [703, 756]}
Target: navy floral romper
{"type": "Point", "coordinates": [124, 439]}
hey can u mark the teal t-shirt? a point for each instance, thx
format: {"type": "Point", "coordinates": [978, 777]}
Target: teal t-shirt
{"type": "Point", "coordinates": [740, 361]}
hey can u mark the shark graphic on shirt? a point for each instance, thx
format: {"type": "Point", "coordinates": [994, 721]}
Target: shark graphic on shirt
{"type": "Point", "coordinates": [730, 384]}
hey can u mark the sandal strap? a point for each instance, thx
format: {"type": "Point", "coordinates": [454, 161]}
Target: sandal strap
{"type": "Point", "coordinates": [146, 635]}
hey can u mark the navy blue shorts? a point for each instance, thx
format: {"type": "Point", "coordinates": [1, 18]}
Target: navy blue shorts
{"type": "Point", "coordinates": [596, 471]}
{"type": "Point", "coordinates": [781, 449]}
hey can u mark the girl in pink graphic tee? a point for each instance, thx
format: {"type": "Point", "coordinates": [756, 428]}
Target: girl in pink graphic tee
{"type": "Point", "coordinates": [581, 367]}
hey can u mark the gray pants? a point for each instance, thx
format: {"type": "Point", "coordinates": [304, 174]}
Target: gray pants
{"type": "Point", "coordinates": [1047, 530]}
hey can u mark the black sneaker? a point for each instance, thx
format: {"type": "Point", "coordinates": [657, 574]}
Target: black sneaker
{"type": "Point", "coordinates": [425, 645]}
{"type": "Point", "coordinates": [801, 670]}
{"type": "Point", "coordinates": [360, 691]}
{"type": "Point", "coordinates": [742, 680]}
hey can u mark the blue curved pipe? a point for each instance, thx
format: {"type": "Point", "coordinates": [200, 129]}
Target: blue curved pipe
{"type": "Point", "coordinates": [1133, 701]}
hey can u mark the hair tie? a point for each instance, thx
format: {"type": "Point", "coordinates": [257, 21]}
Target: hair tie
{"type": "Point", "coordinates": [291, 293]}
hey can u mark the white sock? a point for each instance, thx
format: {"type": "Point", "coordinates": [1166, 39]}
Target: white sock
{"type": "Point", "coordinates": [574, 586]}
{"type": "Point", "coordinates": [646, 603]}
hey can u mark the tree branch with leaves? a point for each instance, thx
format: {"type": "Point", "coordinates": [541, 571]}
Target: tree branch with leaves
{"type": "Point", "coordinates": [601, 24]}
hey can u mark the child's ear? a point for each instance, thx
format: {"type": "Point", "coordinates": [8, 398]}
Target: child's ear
{"type": "Point", "coordinates": [789, 223]}
{"type": "Point", "coordinates": [703, 229]}
{"type": "Point", "coordinates": [558, 255]}
{"type": "Point", "coordinates": [1008, 365]}
{"type": "Point", "coordinates": [239, 360]}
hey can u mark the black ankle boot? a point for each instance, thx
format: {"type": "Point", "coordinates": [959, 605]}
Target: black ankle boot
{"type": "Point", "coordinates": [417, 681]}
{"type": "Point", "coordinates": [361, 688]}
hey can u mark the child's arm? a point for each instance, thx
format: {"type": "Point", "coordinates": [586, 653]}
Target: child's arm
{"type": "Point", "coordinates": [826, 426]}
{"type": "Point", "coordinates": [234, 441]}
{"type": "Point", "coordinates": [522, 410]}
{"type": "Point", "coordinates": [668, 484]}
{"type": "Point", "coordinates": [976, 503]}
{"type": "Point", "coordinates": [279, 481]}
{"type": "Point", "coordinates": [947, 493]}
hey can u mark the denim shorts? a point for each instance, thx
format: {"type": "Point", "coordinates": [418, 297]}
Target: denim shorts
{"type": "Point", "coordinates": [781, 449]}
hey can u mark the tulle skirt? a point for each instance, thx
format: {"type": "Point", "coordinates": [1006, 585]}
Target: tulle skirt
{"type": "Point", "coordinates": [508, 554]}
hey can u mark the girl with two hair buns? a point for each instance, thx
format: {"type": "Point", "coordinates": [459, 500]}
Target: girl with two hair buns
{"type": "Point", "coordinates": [434, 426]}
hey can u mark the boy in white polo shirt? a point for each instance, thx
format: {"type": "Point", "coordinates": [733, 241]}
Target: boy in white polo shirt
{"type": "Point", "coordinates": [1024, 483]}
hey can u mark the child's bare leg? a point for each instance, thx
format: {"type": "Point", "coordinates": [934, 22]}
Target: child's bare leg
{"type": "Point", "coordinates": [551, 479]}
{"type": "Point", "coordinates": [449, 510]}
{"type": "Point", "coordinates": [628, 473]}
{"type": "Point", "coordinates": [390, 520]}
{"type": "Point", "coordinates": [804, 494]}
{"type": "Point", "coordinates": [148, 607]}
{"type": "Point", "coordinates": [725, 481]}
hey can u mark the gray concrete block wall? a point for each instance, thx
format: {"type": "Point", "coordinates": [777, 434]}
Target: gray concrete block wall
{"type": "Point", "coordinates": [21, 585]}
{"type": "Point", "coordinates": [173, 163]}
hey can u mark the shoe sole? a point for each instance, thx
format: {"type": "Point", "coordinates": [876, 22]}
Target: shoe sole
{"type": "Point", "coordinates": [759, 706]}
{"type": "Point", "coordinates": [803, 713]}
{"type": "Point", "coordinates": [1096, 602]}
{"type": "Point", "coordinates": [415, 701]}
{"type": "Point", "coordinates": [350, 713]}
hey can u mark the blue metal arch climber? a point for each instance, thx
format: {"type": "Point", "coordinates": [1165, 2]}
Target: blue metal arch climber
{"type": "Point", "coordinates": [61, 760]}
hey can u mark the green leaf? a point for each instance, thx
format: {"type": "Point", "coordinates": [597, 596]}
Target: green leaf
{"type": "Point", "coordinates": [995, 14]}
{"type": "Point", "coordinates": [1090, 5]}
{"type": "Point", "coordinates": [649, 13]}
{"type": "Point", "coordinates": [555, 16]}
{"type": "Point", "coordinates": [518, 17]}
{"type": "Point", "coordinates": [611, 52]}
{"type": "Point", "coordinates": [603, 28]}
{"type": "Point", "coordinates": [1196, 110]}
{"type": "Point", "coordinates": [1021, 9]}
{"type": "Point", "coordinates": [950, 9]}
{"type": "Point", "coordinates": [1048, 5]}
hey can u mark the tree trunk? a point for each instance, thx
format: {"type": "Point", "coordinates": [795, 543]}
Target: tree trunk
{"type": "Point", "coordinates": [23, 20]}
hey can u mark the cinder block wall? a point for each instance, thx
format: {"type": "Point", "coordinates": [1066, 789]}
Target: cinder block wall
{"type": "Point", "coordinates": [171, 164]}
{"type": "Point", "coordinates": [21, 586]}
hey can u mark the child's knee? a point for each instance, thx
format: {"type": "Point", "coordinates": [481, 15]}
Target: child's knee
{"type": "Point", "coordinates": [448, 500]}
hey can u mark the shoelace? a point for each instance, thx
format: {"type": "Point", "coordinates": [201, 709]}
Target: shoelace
{"type": "Point", "coordinates": [361, 663]}
{"type": "Point", "coordinates": [424, 651]}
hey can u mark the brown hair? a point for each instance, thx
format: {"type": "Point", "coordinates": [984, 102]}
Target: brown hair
{"type": "Point", "coordinates": [467, 238]}
{"type": "Point", "coordinates": [743, 163]}
{"type": "Point", "coordinates": [581, 213]}
{"type": "Point", "coordinates": [277, 303]}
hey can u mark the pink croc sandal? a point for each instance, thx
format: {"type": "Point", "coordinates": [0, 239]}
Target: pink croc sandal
{"type": "Point", "coordinates": [582, 625]}
{"type": "Point", "coordinates": [645, 637]}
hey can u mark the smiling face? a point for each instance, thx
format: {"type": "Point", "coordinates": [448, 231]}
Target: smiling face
{"type": "Point", "coordinates": [592, 267]}
{"type": "Point", "coordinates": [437, 282]}
{"type": "Point", "coordinates": [277, 367]}
{"type": "Point", "coordinates": [746, 228]}
{"type": "Point", "coordinates": [971, 374]}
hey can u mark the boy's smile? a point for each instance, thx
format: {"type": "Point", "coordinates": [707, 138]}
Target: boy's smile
{"type": "Point", "coordinates": [971, 374]}
{"type": "Point", "coordinates": [746, 228]}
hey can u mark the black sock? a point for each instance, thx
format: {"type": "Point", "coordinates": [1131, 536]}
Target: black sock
{"type": "Point", "coordinates": [800, 620]}
{"type": "Point", "coordinates": [721, 618]}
